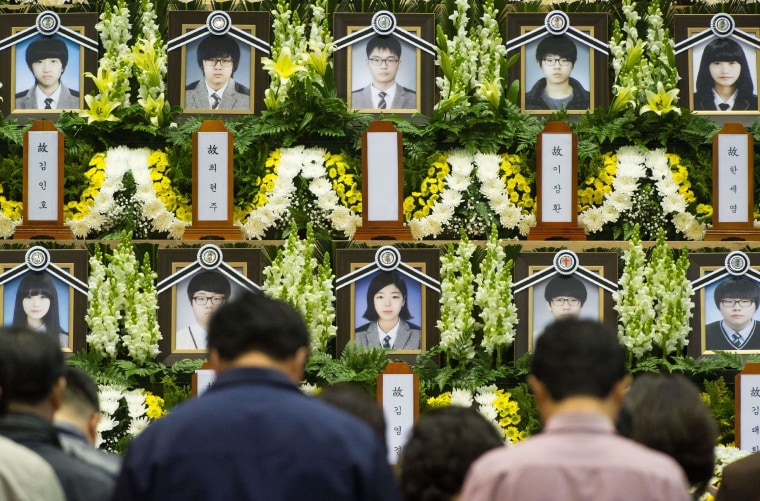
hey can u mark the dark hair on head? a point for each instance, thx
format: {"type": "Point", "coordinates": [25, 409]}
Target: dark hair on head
{"type": "Point", "coordinates": [209, 281]}
{"type": "Point", "coordinates": [578, 358]}
{"type": "Point", "coordinates": [352, 398]}
{"type": "Point", "coordinates": [214, 46]}
{"type": "Point", "coordinates": [569, 286]}
{"type": "Point", "coordinates": [81, 393]}
{"type": "Point", "coordinates": [737, 287]}
{"type": "Point", "coordinates": [257, 323]}
{"type": "Point", "coordinates": [384, 42]}
{"type": "Point", "coordinates": [666, 414]}
{"type": "Point", "coordinates": [728, 50]}
{"type": "Point", "coordinates": [382, 280]}
{"type": "Point", "coordinates": [38, 283]}
{"type": "Point", "coordinates": [441, 447]}
{"type": "Point", "coordinates": [47, 47]}
{"type": "Point", "coordinates": [559, 45]}
{"type": "Point", "coordinates": [31, 363]}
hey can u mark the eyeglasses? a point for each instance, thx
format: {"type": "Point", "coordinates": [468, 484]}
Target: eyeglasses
{"type": "Point", "coordinates": [225, 62]}
{"type": "Point", "coordinates": [203, 300]}
{"type": "Point", "coordinates": [559, 301]}
{"type": "Point", "coordinates": [389, 61]}
{"type": "Point", "coordinates": [552, 61]}
{"type": "Point", "coordinates": [730, 303]}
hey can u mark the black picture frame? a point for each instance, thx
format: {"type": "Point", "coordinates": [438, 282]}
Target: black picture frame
{"type": "Point", "coordinates": [184, 69]}
{"type": "Point", "coordinates": [17, 77]}
{"type": "Point", "coordinates": [593, 64]}
{"type": "Point", "coordinates": [706, 312]}
{"type": "Point", "coordinates": [173, 305]}
{"type": "Point", "coordinates": [349, 78]}
{"type": "Point", "coordinates": [688, 62]}
{"type": "Point", "coordinates": [426, 261]}
{"type": "Point", "coordinates": [532, 310]}
{"type": "Point", "coordinates": [72, 304]}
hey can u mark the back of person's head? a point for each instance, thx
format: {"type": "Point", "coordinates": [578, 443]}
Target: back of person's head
{"type": "Point", "coordinates": [568, 286]}
{"type": "Point", "coordinates": [352, 398]}
{"type": "Point", "coordinates": [47, 47]}
{"type": "Point", "coordinates": [214, 46]}
{"type": "Point", "coordinates": [209, 281]}
{"type": "Point", "coordinates": [578, 358]}
{"type": "Point", "coordinates": [81, 394]}
{"type": "Point", "coordinates": [665, 413]}
{"type": "Point", "coordinates": [441, 447]}
{"type": "Point", "coordinates": [31, 364]}
{"type": "Point", "coordinates": [558, 45]}
{"type": "Point", "coordinates": [382, 42]}
{"type": "Point", "coordinates": [257, 323]}
{"type": "Point", "coordinates": [737, 288]}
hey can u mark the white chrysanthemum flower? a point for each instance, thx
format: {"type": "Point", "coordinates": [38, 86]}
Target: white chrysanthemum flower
{"type": "Point", "coordinates": [461, 398]}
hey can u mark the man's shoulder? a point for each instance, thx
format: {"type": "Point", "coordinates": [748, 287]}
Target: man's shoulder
{"type": "Point", "coordinates": [406, 90]}
{"type": "Point", "coordinates": [192, 85]}
{"type": "Point", "coordinates": [241, 89]}
{"type": "Point", "coordinates": [361, 90]}
{"type": "Point", "coordinates": [22, 94]}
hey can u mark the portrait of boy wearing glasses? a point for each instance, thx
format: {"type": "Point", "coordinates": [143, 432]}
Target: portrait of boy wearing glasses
{"type": "Point", "coordinates": [736, 299]}
{"type": "Point", "coordinates": [218, 57]}
{"type": "Point", "coordinates": [206, 292]}
{"type": "Point", "coordinates": [384, 92]}
{"type": "Point", "coordinates": [564, 296]}
{"type": "Point", "coordinates": [556, 57]}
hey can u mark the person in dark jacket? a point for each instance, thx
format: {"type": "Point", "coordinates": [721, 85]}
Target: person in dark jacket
{"type": "Point", "coordinates": [556, 56]}
{"type": "Point", "coordinates": [32, 382]}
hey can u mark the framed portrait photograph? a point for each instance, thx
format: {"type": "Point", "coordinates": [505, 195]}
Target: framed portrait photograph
{"type": "Point", "coordinates": [43, 301]}
{"type": "Point", "coordinates": [726, 316]}
{"type": "Point", "coordinates": [561, 296]}
{"type": "Point", "coordinates": [388, 308]}
{"type": "Point", "coordinates": [217, 74]}
{"type": "Point", "coordinates": [718, 73]}
{"type": "Point", "coordinates": [385, 73]}
{"type": "Point", "coordinates": [560, 71]}
{"type": "Point", "coordinates": [44, 74]}
{"type": "Point", "coordinates": [187, 307]}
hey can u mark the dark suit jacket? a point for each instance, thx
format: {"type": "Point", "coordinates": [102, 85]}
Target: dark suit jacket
{"type": "Point", "coordinates": [68, 100]}
{"type": "Point", "coordinates": [716, 339]}
{"type": "Point", "coordinates": [405, 99]}
{"type": "Point", "coordinates": [706, 102]}
{"type": "Point", "coordinates": [741, 480]}
{"type": "Point", "coordinates": [408, 336]}
{"type": "Point", "coordinates": [236, 97]}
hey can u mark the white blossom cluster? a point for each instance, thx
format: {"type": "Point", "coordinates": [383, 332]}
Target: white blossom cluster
{"type": "Point", "coordinates": [149, 56]}
{"type": "Point", "coordinates": [493, 297]}
{"type": "Point", "coordinates": [484, 396]}
{"type": "Point", "coordinates": [309, 163]}
{"type": "Point", "coordinates": [671, 293]}
{"type": "Point", "coordinates": [115, 33]}
{"type": "Point", "coordinates": [105, 212]}
{"type": "Point", "coordinates": [111, 397]}
{"type": "Point", "coordinates": [634, 166]}
{"type": "Point", "coordinates": [486, 167]}
{"type": "Point", "coordinates": [457, 323]}
{"type": "Point", "coordinates": [320, 46]}
{"type": "Point", "coordinates": [296, 277]}
{"type": "Point", "coordinates": [634, 303]}
{"type": "Point", "coordinates": [122, 305]}
{"type": "Point", "coordinates": [288, 43]}
{"type": "Point", "coordinates": [471, 61]}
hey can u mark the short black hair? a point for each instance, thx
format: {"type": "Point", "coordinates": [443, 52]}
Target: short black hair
{"type": "Point", "coordinates": [257, 323]}
{"type": "Point", "coordinates": [569, 286]}
{"type": "Point", "coordinates": [728, 50]}
{"type": "Point", "coordinates": [559, 45]}
{"type": "Point", "coordinates": [578, 358]}
{"type": "Point", "coordinates": [737, 287]}
{"type": "Point", "coordinates": [352, 398]}
{"type": "Point", "coordinates": [666, 413]}
{"type": "Point", "coordinates": [380, 281]}
{"type": "Point", "coordinates": [209, 281]}
{"type": "Point", "coordinates": [31, 363]}
{"type": "Point", "coordinates": [47, 47]}
{"type": "Point", "coordinates": [384, 42]}
{"type": "Point", "coordinates": [219, 46]}
{"type": "Point", "coordinates": [81, 391]}
{"type": "Point", "coordinates": [441, 447]}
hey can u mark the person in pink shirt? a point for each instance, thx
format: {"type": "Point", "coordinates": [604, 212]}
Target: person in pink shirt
{"type": "Point", "coordinates": [578, 377]}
